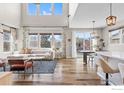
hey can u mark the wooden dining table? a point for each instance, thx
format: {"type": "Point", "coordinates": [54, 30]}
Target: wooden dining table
{"type": "Point", "coordinates": [85, 53]}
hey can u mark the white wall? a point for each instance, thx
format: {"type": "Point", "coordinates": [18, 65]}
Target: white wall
{"type": "Point", "coordinates": [68, 36]}
{"type": "Point", "coordinates": [10, 14]}
{"type": "Point", "coordinates": [72, 10]}
{"type": "Point", "coordinates": [10, 17]}
{"type": "Point", "coordinates": [52, 20]}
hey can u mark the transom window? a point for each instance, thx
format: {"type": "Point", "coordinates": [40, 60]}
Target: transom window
{"type": "Point", "coordinates": [43, 9]}
{"type": "Point", "coordinates": [46, 9]}
{"type": "Point", "coordinates": [32, 9]}
{"type": "Point", "coordinates": [58, 9]}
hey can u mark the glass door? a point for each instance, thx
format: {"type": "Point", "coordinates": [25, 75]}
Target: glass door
{"type": "Point", "coordinates": [83, 42]}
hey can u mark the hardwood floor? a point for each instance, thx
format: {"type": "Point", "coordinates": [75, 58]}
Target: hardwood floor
{"type": "Point", "coordinates": [67, 72]}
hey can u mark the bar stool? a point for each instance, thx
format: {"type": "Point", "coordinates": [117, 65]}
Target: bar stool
{"type": "Point", "coordinates": [91, 58]}
{"type": "Point", "coordinates": [121, 69]}
{"type": "Point", "coordinates": [107, 69]}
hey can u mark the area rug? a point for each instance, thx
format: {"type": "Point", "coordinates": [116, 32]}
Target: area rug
{"type": "Point", "coordinates": [44, 67]}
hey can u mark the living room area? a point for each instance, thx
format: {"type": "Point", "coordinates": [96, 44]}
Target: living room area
{"type": "Point", "coordinates": [61, 44]}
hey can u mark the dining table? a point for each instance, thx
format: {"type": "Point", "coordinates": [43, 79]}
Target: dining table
{"type": "Point", "coordinates": [85, 54]}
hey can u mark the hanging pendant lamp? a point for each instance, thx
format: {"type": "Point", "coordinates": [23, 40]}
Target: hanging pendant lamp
{"type": "Point", "coordinates": [111, 20]}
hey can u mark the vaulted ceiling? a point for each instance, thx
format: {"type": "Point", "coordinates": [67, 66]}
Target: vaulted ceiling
{"type": "Point", "coordinates": [85, 13]}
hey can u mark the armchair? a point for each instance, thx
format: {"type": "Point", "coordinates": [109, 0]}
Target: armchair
{"type": "Point", "coordinates": [20, 65]}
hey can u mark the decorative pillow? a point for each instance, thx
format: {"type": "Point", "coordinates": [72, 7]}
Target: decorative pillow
{"type": "Point", "coordinates": [22, 51]}
{"type": "Point", "coordinates": [27, 51]}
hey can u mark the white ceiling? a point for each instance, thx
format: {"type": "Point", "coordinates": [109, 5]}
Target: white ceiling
{"type": "Point", "coordinates": [87, 12]}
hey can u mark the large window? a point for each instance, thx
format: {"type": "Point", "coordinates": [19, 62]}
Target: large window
{"type": "Point", "coordinates": [43, 9]}
{"type": "Point", "coordinates": [6, 41]}
{"type": "Point", "coordinates": [45, 40]}
{"type": "Point", "coordinates": [33, 40]}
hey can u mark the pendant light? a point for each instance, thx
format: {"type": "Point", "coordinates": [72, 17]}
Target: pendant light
{"type": "Point", "coordinates": [93, 33]}
{"type": "Point", "coordinates": [111, 20]}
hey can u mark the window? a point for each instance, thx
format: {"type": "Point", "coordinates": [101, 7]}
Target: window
{"type": "Point", "coordinates": [32, 9]}
{"type": "Point", "coordinates": [87, 41]}
{"type": "Point", "coordinates": [33, 40]}
{"type": "Point", "coordinates": [58, 9]}
{"type": "Point", "coordinates": [83, 41]}
{"type": "Point", "coordinates": [6, 41]}
{"type": "Point", "coordinates": [45, 9]}
{"type": "Point", "coordinates": [58, 40]}
{"type": "Point", "coordinates": [45, 40]}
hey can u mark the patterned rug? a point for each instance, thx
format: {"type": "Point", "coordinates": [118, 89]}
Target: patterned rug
{"type": "Point", "coordinates": [40, 67]}
{"type": "Point", "coordinates": [44, 67]}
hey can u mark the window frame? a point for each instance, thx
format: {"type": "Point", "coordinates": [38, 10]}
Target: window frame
{"type": "Point", "coordinates": [33, 40]}
{"type": "Point", "coordinates": [7, 41]}
{"type": "Point", "coordinates": [38, 12]}
{"type": "Point", "coordinates": [52, 38]}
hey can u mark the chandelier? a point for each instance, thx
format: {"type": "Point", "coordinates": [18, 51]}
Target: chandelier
{"type": "Point", "coordinates": [111, 20]}
{"type": "Point", "coordinates": [94, 33]}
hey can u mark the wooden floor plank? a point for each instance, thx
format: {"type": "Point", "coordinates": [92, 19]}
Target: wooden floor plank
{"type": "Point", "coordinates": [67, 72]}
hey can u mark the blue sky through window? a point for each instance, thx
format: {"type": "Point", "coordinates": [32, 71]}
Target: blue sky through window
{"type": "Point", "coordinates": [58, 8]}
{"type": "Point", "coordinates": [45, 9]}
{"type": "Point", "coordinates": [32, 9]}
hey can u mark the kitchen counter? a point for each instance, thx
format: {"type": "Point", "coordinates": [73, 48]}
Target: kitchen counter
{"type": "Point", "coordinates": [117, 55]}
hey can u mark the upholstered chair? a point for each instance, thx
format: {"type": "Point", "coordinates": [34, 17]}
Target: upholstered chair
{"type": "Point", "coordinates": [121, 69]}
{"type": "Point", "coordinates": [107, 69]}
{"type": "Point", "coordinates": [20, 65]}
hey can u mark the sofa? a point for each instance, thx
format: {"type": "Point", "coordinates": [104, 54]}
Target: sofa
{"type": "Point", "coordinates": [48, 53]}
